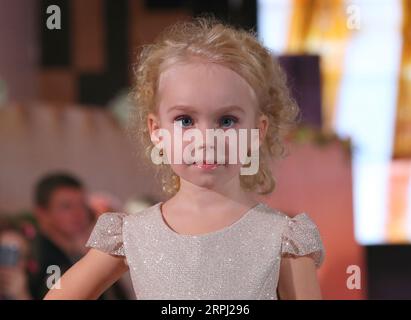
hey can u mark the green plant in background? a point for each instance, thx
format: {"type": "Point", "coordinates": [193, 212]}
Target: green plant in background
{"type": "Point", "coordinates": [314, 135]}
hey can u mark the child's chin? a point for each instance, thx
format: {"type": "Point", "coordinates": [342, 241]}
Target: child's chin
{"type": "Point", "coordinates": [206, 183]}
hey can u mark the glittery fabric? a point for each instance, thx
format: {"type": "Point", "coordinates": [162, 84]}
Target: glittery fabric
{"type": "Point", "coordinates": [240, 261]}
{"type": "Point", "coordinates": [301, 237]}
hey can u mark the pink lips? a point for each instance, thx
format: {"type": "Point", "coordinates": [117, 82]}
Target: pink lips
{"type": "Point", "coordinates": [206, 166]}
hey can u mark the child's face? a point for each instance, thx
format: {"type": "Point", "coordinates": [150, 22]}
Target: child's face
{"type": "Point", "coordinates": [200, 95]}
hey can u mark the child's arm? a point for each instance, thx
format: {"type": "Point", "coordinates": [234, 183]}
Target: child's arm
{"type": "Point", "coordinates": [298, 279]}
{"type": "Point", "coordinates": [89, 277]}
{"type": "Point", "coordinates": [103, 265]}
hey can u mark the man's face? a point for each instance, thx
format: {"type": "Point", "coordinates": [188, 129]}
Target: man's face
{"type": "Point", "coordinates": [67, 211]}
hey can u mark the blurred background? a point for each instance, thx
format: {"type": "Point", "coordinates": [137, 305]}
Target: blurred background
{"type": "Point", "coordinates": [66, 157]}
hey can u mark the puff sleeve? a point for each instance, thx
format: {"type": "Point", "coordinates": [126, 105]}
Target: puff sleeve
{"type": "Point", "coordinates": [301, 237]}
{"type": "Point", "coordinates": [107, 234]}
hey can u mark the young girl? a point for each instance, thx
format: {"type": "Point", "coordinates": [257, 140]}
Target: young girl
{"type": "Point", "coordinates": [211, 239]}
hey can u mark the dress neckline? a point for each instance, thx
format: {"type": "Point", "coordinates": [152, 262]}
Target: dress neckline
{"type": "Point", "coordinates": [236, 223]}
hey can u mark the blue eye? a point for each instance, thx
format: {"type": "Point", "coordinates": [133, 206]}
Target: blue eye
{"type": "Point", "coordinates": [185, 121]}
{"type": "Point", "coordinates": [227, 122]}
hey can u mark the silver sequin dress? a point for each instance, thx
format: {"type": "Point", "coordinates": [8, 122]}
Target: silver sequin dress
{"type": "Point", "coordinates": [240, 261]}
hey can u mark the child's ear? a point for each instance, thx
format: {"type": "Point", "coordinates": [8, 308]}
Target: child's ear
{"type": "Point", "coordinates": [153, 124]}
{"type": "Point", "coordinates": [263, 127]}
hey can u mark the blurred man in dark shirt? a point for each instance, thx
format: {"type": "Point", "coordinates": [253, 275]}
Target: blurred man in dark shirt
{"type": "Point", "coordinates": [65, 224]}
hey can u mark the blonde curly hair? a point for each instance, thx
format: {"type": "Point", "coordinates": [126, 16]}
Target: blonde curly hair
{"type": "Point", "coordinates": [235, 48]}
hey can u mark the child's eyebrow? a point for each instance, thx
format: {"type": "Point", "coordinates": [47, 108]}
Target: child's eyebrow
{"type": "Point", "coordinates": [193, 110]}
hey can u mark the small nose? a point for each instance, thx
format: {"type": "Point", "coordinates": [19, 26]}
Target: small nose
{"type": "Point", "coordinates": [206, 146]}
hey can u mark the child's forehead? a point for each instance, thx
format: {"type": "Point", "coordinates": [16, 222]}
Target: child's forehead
{"type": "Point", "coordinates": [200, 70]}
{"type": "Point", "coordinates": [204, 84]}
